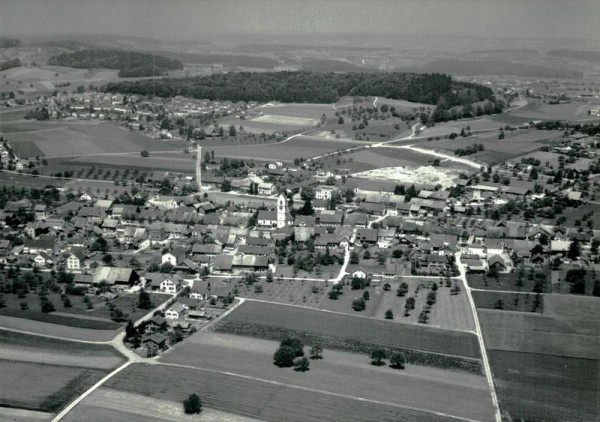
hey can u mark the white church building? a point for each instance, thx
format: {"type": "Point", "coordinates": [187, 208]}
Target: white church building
{"type": "Point", "coordinates": [278, 218]}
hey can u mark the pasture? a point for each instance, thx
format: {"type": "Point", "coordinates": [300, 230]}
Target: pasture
{"type": "Point", "coordinates": [347, 374]}
{"type": "Point", "coordinates": [299, 291]}
{"type": "Point", "coordinates": [21, 386]}
{"type": "Point", "coordinates": [62, 331]}
{"type": "Point", "coordinates": [451, 312]}
{"type": "Point", "coordinates": [363, 330]}
{"type": "Point", "coordinates": [64, 139]}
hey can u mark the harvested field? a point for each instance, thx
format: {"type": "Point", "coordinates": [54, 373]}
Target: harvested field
{"type": "Point", "coordinates": [423, 345]}
{"type": "Point", "coordinates": [544, 387]}
{"type": "Point", "coordinates": [66, 139]}
{"type": "Point", "coordinates": [249, 397]}
{"type": "Point", "coordinates": [546, 366]}
{"type": "Point", "coordinates": [308, 111]}
{"type": "Point", "coordinates": [339, 372]}
{"type": "Point", "coordinates": [63, 331]}
{"type": "Point", "coordinates": [22, 415]}
{"type": "Point", "coordinates": [118, 406]}
{"type": "Point", "coordinates": [89, 324]}
{"type": "Point", "coordinates": [37, 349]}
{"type": "Point", "coordinates": [20, 384]}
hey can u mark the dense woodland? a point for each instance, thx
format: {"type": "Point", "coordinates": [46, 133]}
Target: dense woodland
{"type": "Point", "coordinates": [311, 87]}
{"type": "Point", "coordinates": [10, 64]}
{"type": "Point", "coordinates": [130, 64]}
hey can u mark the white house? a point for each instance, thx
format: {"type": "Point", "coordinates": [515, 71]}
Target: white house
{"type": "Point", "coordinates": [266, 189]}
{"type": "Point", "coordinates": [324, 192]}
{"type": "Point", "coordinates": [170, 285]}
{"type": "Point", "coordinates": [175, 311]}
{"type": "Point", "coordinates": [169, 258]}
{"type": "Point", "coordinates": [40, 260]}
{"type": "Point", "coordinates": [73, 262]}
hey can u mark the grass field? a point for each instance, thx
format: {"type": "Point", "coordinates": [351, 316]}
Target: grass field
{"type": "Point", "coordinates": [546, 366]}
{"type": "Point", "coordinates": [520, 302]}
{"type": "Point", "coordinates": [306, 293]}
{"type": "Point", "coordinates": [545, 111]}
{"type": "Point", "coordinates": [256, 399]}
{"type": "Point", "coordinates": [63, 331]}
{"type": "Point", "coordinates": [119, 406]}
{"type": "Point", "coordinates": [342, 373]}
{"type": "Point", "coordinates": [450, 312]}
{"type": "Point", "coordinates": [351, 332]}
{"type": "Point", "coordinates": [21, 384]}
{"type": "Point", "coordinates": [62, 139]}
{"type": "Point", "coordinates": [90, 324]}
{"type": "Point", "coordinates": [36, 349]}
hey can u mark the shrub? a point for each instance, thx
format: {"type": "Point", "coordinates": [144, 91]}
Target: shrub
{"type": "Point", "coordinates": [302, 365]}
{"type": "Point", "coordinates": [397, 360]}
{"type": "Point", "coordinates": [192, 405]}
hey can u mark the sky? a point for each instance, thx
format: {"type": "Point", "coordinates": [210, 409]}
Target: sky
{"type": "Point", "coordinates": [197, 19]}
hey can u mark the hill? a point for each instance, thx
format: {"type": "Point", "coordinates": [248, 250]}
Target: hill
{"type": "Point", "coordinates": [310, 87]}
{"type": "Point", "coordinates": [492, 67]}
{"type": "Point", "coordinates": [130, 64]}
{"type": "Point", "coordinates": [9, 42]}
{"type": "Point", "coordinates": [588, 56]}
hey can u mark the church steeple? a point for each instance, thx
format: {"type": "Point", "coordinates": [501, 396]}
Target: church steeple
{"type": "Point", "coordinates": [281, 211]}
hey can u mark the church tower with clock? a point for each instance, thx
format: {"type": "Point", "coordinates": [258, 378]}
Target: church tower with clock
{"type": "Point", "coordinates": [281, 211]}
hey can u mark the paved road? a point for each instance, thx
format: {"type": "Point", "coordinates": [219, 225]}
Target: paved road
{"type": "Point", "coordinates": [484, 356]}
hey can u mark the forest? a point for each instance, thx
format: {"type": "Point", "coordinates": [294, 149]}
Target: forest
{"type": "Point", "coordinates": [310, 87]}
{"type": "Point", "coordinates": [130, 64]}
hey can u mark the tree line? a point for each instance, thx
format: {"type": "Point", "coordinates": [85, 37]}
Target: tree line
{"type": "Point", "coordinates": [130, 64]}
{"type": "Point", "coordinates": [311, 87]}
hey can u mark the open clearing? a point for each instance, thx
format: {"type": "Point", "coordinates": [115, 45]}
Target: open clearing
{"type": "Point", "coordinates": [87, 138]}
{"type": "Point", "coordinates": [343, 373]}
{"type": "Point", "coordinates": [546, 366]}
{"type": "Point", "coordinates": [362, 329]}
{"type": "Point", "coordinates": [21, 384]}
{"type": "Point", "coordinates": [36, 349]}
{"type": "Point", "coordinates": [450, 312]}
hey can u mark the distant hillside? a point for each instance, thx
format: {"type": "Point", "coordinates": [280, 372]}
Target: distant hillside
{"type": "Point", "coordinates": [9, 42]}
{"type": "Point", "coordinates": [286, 48]}
{"type": "Point", "coordinates": [311, 87]}
{"type": "Point", "coordinates": [507, 51]}
{"type": "Point", "coordinates": [130, 64]}
{"type": "Point", "coordinates": [10, 64]}
{"type": "Point", "coordinates": [492, 67]}
{"type": "Point", "coordinates": [589, 56]}
{"type": "Point", "coordinates": [325, 65]}
{"type": "Point", "coordinates": [230, 60]}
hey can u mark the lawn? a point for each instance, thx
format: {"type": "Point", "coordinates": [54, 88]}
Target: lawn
{"type": "Point", "coordinates": [338, 372]}
{"type": "Point", "coordinates": [43, 387]}
{"type": "Point", "coordinates": [88, 138]}
{"type": "Point", "coordinates": [253, 398]}
{"type": "Point", "coordinates": [37, 349]}
{"type": "Point", "coordinates": [354, 333]}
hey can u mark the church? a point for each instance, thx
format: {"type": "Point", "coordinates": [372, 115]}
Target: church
{"type": "Point", "coordinates": [278, 218]}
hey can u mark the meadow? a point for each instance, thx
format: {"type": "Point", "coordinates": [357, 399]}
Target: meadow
{"type": "Point", "coordinates": [260, 399]}
{"type": "Point", "coordinates": [424, 345]}
{"type": "Point", "coordinates": [348, 374]}
{"type": "Point", "coordinates": [545, 111]}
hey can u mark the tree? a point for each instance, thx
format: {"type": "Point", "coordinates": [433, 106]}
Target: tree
{"type": "Point", "coordinates": [284, 357]}
{"type": "Point", "coordinates": [501, 136]}
{"type": "Point", "coordinates": [144, 153]}
{"type": "Point", "coordinates": [574, 250]}
{"type": "Point", "coordinates": [377, 356]}
{"type": "Point", "coordinates": [409, 305]}
{"type": "Point", "coordinates": [340, 120]}
{"type": "Point", "coordinates": [130, 330]}
{"type": "Point", "coordinates": [354, 258]}
{"type": "Point", "coordinates": [402, 289]}
{"type": "Point", "coordinates": [144, 301]}
{"type": "Point", "coordinates": [302, 365]}
{"type": "Point", "coordinates": [46, 306]}
{"type": "Point", "coordinates": [226, 186]}
{"type": "Point", "coordinates": [366, 295]}
{"type": "Point", "coordinates": [455, 289]}
{"type": "Point", "coordinates": [295, 344]}
{"type": "Point", "coordinates": [192, 405]}
{"type": "Point", "coordinates": [359, 304]}
{"type": "Point", "coordinates": [596, 288]}
{"type": "Point", "coordinates": [316, 351]}
{"type": "Point", "coordinates": [232, 131]}
{"type": "Point", "coordinates": [389, 314]}
{"type": "Point", "coordinates": [397, 360]}
{"type": "Point", "coordinates": [423, 317]}
{"type": "Point", "coordinates": [307, 208]}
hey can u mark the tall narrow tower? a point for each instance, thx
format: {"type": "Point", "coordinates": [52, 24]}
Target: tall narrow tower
{"type": "Point", "coordinates": [199, 167]}
{"type": "Point", "coordinates": [281, 211]}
